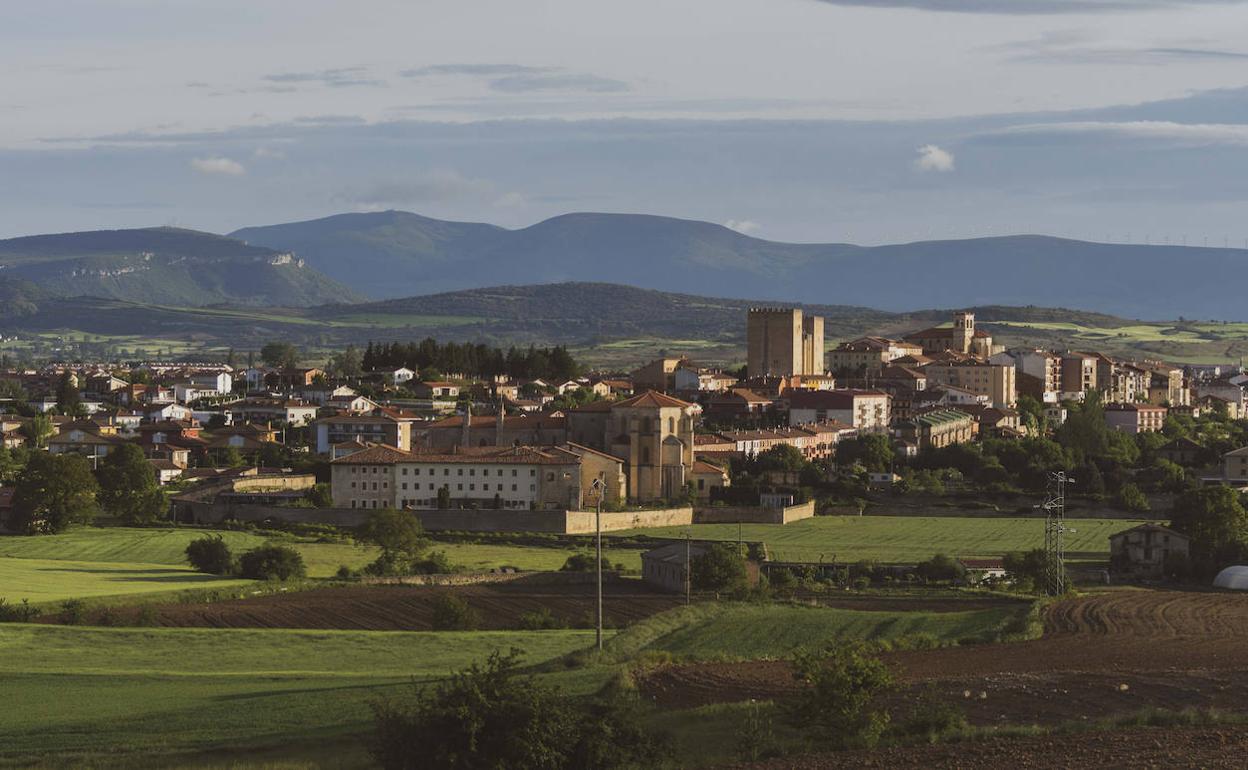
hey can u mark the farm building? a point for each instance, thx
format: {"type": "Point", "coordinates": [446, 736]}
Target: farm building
{"type": "Point", "coordinates": [1142, 551]}
{"type": "Point", "coordinates": [666, 568]}
{"type": "Point", "coordinates": [979, 570]}
{"type": "Point", "coordinates": [1234, 578]}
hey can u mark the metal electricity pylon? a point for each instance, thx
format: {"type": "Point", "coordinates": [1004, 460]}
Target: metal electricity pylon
{"type": "Point", "coordinates": [1054, 533]}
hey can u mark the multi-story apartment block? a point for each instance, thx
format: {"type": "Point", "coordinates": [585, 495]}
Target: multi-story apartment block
{"type": "Point", "coordinates": [1079, 374]}
{"type": "Point", "coordinates": [866, 410]}
{"type": "Point", "coordinates": [374, 429]}
{"type": "Point", "coordinates": [1135, 418]}
{"type": "Point", "coordinates": [781, 341]}
{"type": "Point", "coordinates": [995, 381]}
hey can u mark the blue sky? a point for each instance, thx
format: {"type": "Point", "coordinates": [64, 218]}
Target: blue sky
{"type": "Point", "coordinates": [868, 121]}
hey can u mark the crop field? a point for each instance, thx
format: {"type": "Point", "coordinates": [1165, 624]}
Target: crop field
{"type": "Point", "coordinates": [904, 539]}
{"type": "Point", "coordinates": [73, 690]}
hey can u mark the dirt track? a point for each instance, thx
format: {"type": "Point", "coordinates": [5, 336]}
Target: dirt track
{"type": "Point", "coordinates": [410, 608]}
{"type": "Point", "coordinates": [1211, 747]}
{"type": "Point", "coordinates": [1110, 653]}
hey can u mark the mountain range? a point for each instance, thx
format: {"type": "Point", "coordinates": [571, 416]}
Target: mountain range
{"type": "Point", "coordinates": [396, 254]}
{"type": "Point", "coordinates": [162, 265]}
{"type": "Point", "coordinates": [347, 258]}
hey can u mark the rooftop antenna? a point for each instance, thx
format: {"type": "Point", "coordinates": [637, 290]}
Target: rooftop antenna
{"type": "Point", "coordinates": [1054, 530]}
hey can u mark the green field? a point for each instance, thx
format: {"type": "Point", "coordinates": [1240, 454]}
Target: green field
{"type": "Point", "coordinates": [904, 539]}
{"type": "Point", "coordinates": [53, 580]}
{"type": "Point", "coordinates": [70, 690]}
{"type": "Point", "coordinates": [712, 631]}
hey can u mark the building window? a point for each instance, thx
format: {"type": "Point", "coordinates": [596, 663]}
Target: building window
{"type": "Point", "coordinates": [459, 487]}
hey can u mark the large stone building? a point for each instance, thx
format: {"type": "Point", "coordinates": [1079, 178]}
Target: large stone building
{"type": "Point", "coordinates": [781, 341]}
{"type": "Point", "coordinates": [962, 337]}
{"type": "Point", "coordinates": [869, 354]}
{"type": "Point", "coordinates": [653, 435]}
{"type": "Point", "coordinates": [995, 381]}
{"type": "Point", "coordinates": [503, 478]}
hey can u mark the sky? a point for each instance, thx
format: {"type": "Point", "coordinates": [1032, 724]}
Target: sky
{"type": "Point", "coordinates": [865, 121]}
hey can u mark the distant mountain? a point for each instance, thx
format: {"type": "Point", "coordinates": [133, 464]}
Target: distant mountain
{"type": "Point", "coordinates": [394, 254]}
{"type": "Point", "coordinates": [166, 266]}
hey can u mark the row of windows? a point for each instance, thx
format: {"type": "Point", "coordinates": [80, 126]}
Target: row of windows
{"type": "Point", "coordinates": [432, 501]}
{"type": "Point", "coordinates": [364, 485]}
{"type": "Point", "coordinates": [445, 471]}
{"type": "Point", "coordinates": [472, 487]}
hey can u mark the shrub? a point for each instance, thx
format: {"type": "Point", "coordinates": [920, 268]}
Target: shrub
{"type": "Point", "coordinates": [940, 568]}
{"type": "Point", "coordinates": [451, 613]}
{"type": "Point", "coordinates": [583, 562]}
{"type": "Point", "coordinates": [862, 583]}
{"type": "Point", "coordinates": [18, 613]}
{"type": "Point", "coordinates": [146, 617]}
{"type": "Point", "coordinates": [838, 686]}
{"type": "Point", "coordinates": [933, 718]}
{"type": "Point", "coordinates": [540, 620]}
{"type": "Point", "coordinates": [781, 582]}
{"type": "Point", "coordinates": [756, 739]}
{"type": "Point", "coordinates": [272, 562]}
{"type": "Point", "coordinates": [489, 716]}
{"type": "Point", "coordinates": [73, 612]}
{"type": "Point", "coordinates": [720, 568]}
{"type": "Point", "coordinates": [210, 554]}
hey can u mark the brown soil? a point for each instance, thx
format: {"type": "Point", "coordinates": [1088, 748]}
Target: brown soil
{"type": "Point", "coordinates": [1106, 654]}
{"type": "Point", "coordinates": [1204, 747]}
{"type": "Point", "coordinates": [410, 608]}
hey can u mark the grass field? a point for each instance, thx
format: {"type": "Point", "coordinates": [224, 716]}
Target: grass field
{"type": "Point", "coordinates": [70, 691]}
{"type": "Point", "coordinates": [53, 580]}
{"type": "Point", "coordinates": [753, 631]}
{"type": "Point", "coordinates": [904, 539]}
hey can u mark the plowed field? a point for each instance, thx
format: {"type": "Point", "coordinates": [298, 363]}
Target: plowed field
{"type": "Point", "coordinates": [410, 608]}
{"type": "Point", "coordinates": [1110, 653]}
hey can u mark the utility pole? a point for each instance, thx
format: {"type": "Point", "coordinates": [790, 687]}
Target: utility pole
{"type": "Point", "coordinates": [688, 566]}
{"type": "Point", "coordinates": [599, 487]}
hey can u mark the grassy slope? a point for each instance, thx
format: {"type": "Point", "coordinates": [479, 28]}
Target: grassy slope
{"type": "Point", "coordinates": [902, 539]}
{"type": "Point", "coordinates": [754, 631]}
{"type": "Point", "coordinates": [73, 689]}
{"type": "Point", "coordinates": [53, 580]}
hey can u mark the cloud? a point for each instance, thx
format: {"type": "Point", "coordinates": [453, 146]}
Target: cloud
{"type": "Point", "coordinates": [1077, 47]}
{"type": "Point", "coordinates": [269, 152]}
{"type": "Point", "coordinates": [218, 166]}
{"type": "Point", "coordinates": [743, 226]}
{"type": "Point", "coordinates": [933, 158]}
{"type": "Point", "coordinates": [476, 70]}
{"type": "Point", "coordinates": [1184, 134]}
{"type": "Point", "coordinates": [516, 84]}
{"type": "Point", "coordinates": [341, 77]}
{"type": "Point", "coordinates": [1030, 7]}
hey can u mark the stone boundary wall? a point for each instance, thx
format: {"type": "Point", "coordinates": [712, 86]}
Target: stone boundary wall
{"type": "Point", "coordinates": [749, 514]}
{"type": "Point", "coordinates": [552, 522]}
{"type": "Point", "coordinates": [485, 578]}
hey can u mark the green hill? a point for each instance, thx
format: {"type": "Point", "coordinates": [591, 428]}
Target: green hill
{"type": "Point", "coordinates": [166, 266]}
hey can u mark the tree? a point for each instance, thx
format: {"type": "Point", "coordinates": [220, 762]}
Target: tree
{"type": "Point", "coordinates": [782, 457]}
{"type": "Point", "coordinates": [281, 355]}
{"type": "Point", "coordinates": [11, 463]}
{"type": "Point", "coordinates": [210, 554]}
{"type": "Point", "coordinates": [940, 568]}
{"type": "Point", "coordinates": [582, 562]}
{"type": "Point", "coordinates": [38, 429]}
{"type": "Point", "coordinates": [128, 488]}
{"type": "Point", "coordinates": [1130, 498]}
{"type": "Point", "coordinates": [1028, 569]}
{"type": "Point", "coordinates": [272, 562]}
{"type": "Point", "coordinates": [444, 498]}
{"type": "Point", "coordinates": [838, 685]}
{"type": "Point", "coordinates": [488, 716]}
{"type": "Point", "coordinates": [67, 396]}
{"type": "Point", "coordinates": [348, 363]}
{"type": "Point", "coordinates": [873, 451]}
{"type": "Point", "coordinates": [1217, 524]}
{"type": "Point", "coordinates": [401, 538]}
{"type": "Point", "coordinates": [720, 568]}
{"type": "Point", "coordinates": [53, 493]}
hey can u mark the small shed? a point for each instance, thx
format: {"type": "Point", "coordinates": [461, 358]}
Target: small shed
{"type": "Point", "coordinates": [665, 567]}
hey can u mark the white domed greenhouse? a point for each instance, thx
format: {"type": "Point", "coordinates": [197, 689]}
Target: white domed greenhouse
{"type": "Point", "coordinates": [1235, 578]}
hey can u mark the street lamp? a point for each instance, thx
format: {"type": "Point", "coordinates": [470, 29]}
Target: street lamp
{"type": "Point", "coordinates": [600, 487]}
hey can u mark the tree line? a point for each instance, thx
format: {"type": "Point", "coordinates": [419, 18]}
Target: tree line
{"type": "Point", "coordinates": [474, 360]}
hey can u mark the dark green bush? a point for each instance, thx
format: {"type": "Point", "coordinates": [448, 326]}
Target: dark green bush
{"type": "Point", "coordinates": [210, 554]}
{"type": "Point", "coordinates": [451, 613]}
{"type": "Point", "coordinates": [18, 613]}
{"type": "Point", "coordinates": [272, 562]}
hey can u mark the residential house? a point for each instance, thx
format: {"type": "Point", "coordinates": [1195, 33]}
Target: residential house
{"type": "Point", "coordinates": [659, 374]}
{"type": "Point", "coordinates": [707, 477]}
{"type": "Point", "coordinates": [1143, 551]}
{"type": "Point", "coordinates": [439, 389]}
{"type": "Point", "coordinates": [992, 380]}
{"type": "Point", "coordinates": [369, 428]}
{"type": "Point", "coordinates": [689, 379]}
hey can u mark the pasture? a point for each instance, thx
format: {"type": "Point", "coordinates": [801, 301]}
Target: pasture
{"type": "Point", "coordinates": [903, 539]}
{"type": "Point", "coordinates": [54, 580]}
{"type": "Point", "coordinates": [71, 691]}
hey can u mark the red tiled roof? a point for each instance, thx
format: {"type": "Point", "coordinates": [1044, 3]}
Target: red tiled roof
{"type": "Point", "coordinates": [652, 398]}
